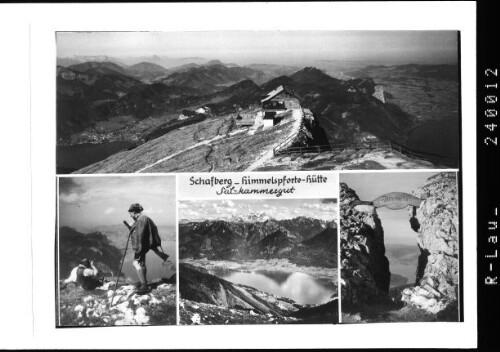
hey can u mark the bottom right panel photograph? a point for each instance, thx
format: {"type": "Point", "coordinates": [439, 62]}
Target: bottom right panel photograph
{"type": "Point", "coordinates": [399, 247]}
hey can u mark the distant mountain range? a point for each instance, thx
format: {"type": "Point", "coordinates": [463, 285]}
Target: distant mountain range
{"type": "Point", "coordinates": [147, 70]}
{"type": "Point", "coordinates": [93, 91]}
{"type": "Point", "coordinates": [75, 246]}
{"type": "Point", "coordinates": [164, 61]}
{"type": "Point", "coordinates": [301, 240]}
{"type": "Point", "coordinates": [210, 78]}
{"type": "Point", "coordinates": [345, 110]}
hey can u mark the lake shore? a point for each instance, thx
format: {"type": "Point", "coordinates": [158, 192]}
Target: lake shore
{"type": "Point", "coordinates": [330, 274]}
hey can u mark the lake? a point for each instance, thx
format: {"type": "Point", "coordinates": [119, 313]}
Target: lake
{"type": "Point", "coordinates": [436, 137]}
{"type": "Point", "coordinates": [302, 288]}
{"type": "Point", "coordinates": [74, 157]}
{"type": "Point", "coordinates": [403, 259]}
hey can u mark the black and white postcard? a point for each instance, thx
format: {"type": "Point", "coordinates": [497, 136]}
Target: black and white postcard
{"type": "Point", "coordinates": [149, 102]}
{"type": "Point", "coordinates": [258, 261]}
{"type": "Point", "coordinates": [400, 247]}
{"type": "Point", "coordinates": [242, 175]}
{"type": "Point", "coordinates": [116, 251]}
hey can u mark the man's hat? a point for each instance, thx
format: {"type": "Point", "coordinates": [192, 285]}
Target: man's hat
{"type": "Point", "coordinates": [135, 208]}
{"type": "Point", "coordinates": [85, 262]}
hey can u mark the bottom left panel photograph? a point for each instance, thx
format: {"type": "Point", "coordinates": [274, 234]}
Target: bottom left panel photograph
{"type": "Point", "coordinates": [116, 251]}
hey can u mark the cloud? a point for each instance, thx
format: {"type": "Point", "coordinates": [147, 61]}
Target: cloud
{"type": "Point", "coordinates": [230, 203]}
{"type": "Point", "coordinates": [69, 197]}
{"type": "Point", "coordinates": [68, 185]}
{"type": "Point", "coordinates": [314, 206]}
{"type": "Point", "coordinates": [109, 211]}
{"type": "Point", "coordinates": [152, 210]}
{"type": "Point", "coordinates": [189, 214]}
{"type": "Point", "coordinates": [74, 197]}
{"type": "Point", "coordinates": [278, 209]}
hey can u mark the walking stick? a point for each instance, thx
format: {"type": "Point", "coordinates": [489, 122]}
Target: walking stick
{"type": "Point", "coordinates": [121, 265]}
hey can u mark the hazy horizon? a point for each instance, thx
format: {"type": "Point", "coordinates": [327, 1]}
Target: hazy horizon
{"type": "Point", "coordinates": [279, 209]}
{"type": "Point", "coordinates": [269, 47]}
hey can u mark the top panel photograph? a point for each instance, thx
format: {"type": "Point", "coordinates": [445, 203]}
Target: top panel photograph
{"type": "Point", "coordinates": [217, 101]}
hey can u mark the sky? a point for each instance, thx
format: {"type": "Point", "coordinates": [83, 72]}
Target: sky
{"type": "Point", "coordinates": [369, 186]}
{"type": "Point", "coordinates": [87, 202]}
{"type": "Point", "coordinates": [325, 209]}
{"type": "Point", "coordinates": [288, 47]}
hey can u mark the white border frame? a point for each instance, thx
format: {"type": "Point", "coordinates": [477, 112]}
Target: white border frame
{"type": "Point", "coordinates": [29, 31]}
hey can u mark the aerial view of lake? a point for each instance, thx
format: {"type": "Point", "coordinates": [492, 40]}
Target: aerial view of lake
{"type": "Point", "coordinates": [302, 288]}
{"type": "Point", "coordinates": [436, 137]}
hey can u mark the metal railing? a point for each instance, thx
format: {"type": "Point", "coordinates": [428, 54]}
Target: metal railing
{"type": "Point", "coordinates": [436, 159]}
{"type": "Point", "coordinates": [316, 149]}
{"type": "Point", "coordinates": [284, 147]}
{"type": "Point", "coordinates": [331, 147]}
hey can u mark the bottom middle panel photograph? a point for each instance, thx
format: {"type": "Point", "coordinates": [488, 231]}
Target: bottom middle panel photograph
{"type": "Point", "coordinates": [266, 261]}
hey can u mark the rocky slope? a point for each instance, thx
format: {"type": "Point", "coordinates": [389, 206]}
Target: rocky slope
{"type": "Point", "coordinates": [437, 225]}
{"type": "Point", "coordinates": [347, 159]}
{"type": "Point", "coordinates": [214, 144]}
{"type": "Point", "coordinates": [207, 299]}
{"type": "Point", "coordinates": [79, 307]}
{"type": "Point", "coordinates": [94, 308]}
{"type": "Point", "coordinates": [365, 272]}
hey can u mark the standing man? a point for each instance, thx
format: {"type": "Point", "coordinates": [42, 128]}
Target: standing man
{"type": "Point", "coordinates": [144, 236]}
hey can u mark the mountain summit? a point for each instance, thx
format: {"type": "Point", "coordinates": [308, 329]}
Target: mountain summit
{"type": "Point", "coordinates": [259, 216]}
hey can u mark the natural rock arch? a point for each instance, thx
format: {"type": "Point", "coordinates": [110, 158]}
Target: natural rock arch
{"type": "Point", "coordinates": [433, 215]}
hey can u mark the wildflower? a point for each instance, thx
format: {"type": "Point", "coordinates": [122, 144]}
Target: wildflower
{"type": "Point", "coordinates": [140, 316]}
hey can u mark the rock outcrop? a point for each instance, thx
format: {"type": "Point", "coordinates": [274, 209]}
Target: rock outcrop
{"type": "Point", "coordinates": [365, 274]}
{"type": "Point", "coordinates": [208, 299]}
{"type": "Point", "coordinates": [437, 225]}
{"type": "Point", "coordinates": [196, 284]}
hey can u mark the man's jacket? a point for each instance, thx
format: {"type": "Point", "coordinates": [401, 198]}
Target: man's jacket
{"type": "Point", "coordinates": [144, 235]}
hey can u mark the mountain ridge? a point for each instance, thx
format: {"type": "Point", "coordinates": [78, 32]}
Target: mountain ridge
{"type": "Point", "coordinates": [294, 239]}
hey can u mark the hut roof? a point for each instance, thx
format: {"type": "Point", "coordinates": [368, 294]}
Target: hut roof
{"type": "Point", "coordinates": [277, 91]}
